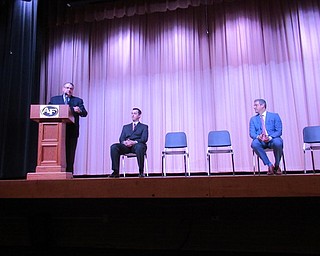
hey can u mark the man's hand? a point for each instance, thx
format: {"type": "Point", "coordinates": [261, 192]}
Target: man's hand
{"type": "Point", "coordinates": [77, 109]}
{"type": "Point", "coordinates": [129, 143]}
{"type": "Point", "coordinates": [264, 138]}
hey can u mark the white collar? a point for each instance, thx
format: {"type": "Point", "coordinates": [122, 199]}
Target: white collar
{"type": "Point", "coordinates": [264, 113]}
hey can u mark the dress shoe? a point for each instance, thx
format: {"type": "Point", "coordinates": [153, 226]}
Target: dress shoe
{"type": "Point", "coordinates": [270, 170]}
{"type": "Point", "coordinates": [114, 175]}
{"type": "Point", "coordinates": [277, 171]}
{"type": "Point", "coordinates": [141, 175]}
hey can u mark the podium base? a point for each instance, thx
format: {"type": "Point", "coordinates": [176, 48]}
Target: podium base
{"type": "Point", "coordinates": [49, 176]}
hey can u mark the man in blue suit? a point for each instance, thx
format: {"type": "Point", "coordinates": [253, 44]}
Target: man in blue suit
{"type": "Point", "coordinates": [265, 131]}
{"type": "Point", "coordinates": [133, 139]}
{"type": "Point", "coordinates": [72, 130]}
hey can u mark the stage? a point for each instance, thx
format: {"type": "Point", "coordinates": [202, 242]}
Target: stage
{"type": "Point", "coordinates": [219, 186]}
{"type": "Point", "coordinates": [198, 215]}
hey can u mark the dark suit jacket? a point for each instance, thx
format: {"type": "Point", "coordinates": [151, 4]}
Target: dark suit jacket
{"type": "Point", "coordinates": [139, 134]}
{"type": "Point", "coordinates": [272, 122]}
{"type": "Point", "coordinates": [72, 129]}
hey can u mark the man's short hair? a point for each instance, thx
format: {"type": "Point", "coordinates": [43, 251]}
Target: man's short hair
{"type": "Point", "coordinates": [139, 111]}
{"type": "Point", "coordinates": [262, 102]}
{"type": "Point", "coordinates": [68, 83]}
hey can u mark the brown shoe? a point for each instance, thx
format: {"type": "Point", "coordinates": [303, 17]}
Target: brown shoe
{"type": "Point", "coordinates": [278, 171]}
{"type": "Point", "coordinates": [270, 170]}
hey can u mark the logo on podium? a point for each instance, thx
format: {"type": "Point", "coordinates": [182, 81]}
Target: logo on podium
{"type": "Point", "coordinates": [49, 111]}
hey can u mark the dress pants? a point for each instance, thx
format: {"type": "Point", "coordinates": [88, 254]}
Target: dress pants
{"type": "Point", "coordinates": [276, 144]}
{"type": "Point", "coordinates": [118, 149]}
{"type": "Point", "coordinates": [71, 145]}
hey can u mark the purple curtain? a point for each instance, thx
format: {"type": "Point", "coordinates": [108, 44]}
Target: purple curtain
{"type": "Point", "coordinates": [190, 66]}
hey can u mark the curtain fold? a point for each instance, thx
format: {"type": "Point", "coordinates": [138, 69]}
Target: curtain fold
{"type": "Point", "coordinates": [19, 88]}
{"type": "Point", "coordinates": [193, 69]}
{"type": "Point", "coordinates": [90, 10]}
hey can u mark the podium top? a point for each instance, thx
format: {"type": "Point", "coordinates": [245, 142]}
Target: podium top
{"type": "Point", "coordinates": [51, 113]}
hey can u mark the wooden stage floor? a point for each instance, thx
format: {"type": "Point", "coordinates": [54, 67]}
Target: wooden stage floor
{"type": "Point", "coordinates": [242, 186]}
{"type": "Point", "coordinates": [197, 215]}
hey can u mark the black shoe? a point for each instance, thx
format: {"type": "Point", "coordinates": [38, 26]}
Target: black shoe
{"type": "Point", "coordinates": [114, 175]}
{"type": "Point", "coordinates": [141, 175]}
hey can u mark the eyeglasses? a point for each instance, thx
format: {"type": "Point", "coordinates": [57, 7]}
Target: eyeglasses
{"type": "Point", "coordinates": [67, 87]}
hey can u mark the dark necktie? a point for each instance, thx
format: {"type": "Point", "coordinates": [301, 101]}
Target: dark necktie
{"type": "Point", "coordinates": [66, 100]}
{"type": "Point", "coordinates": [134, 126]}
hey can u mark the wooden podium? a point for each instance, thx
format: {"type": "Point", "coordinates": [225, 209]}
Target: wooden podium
{"type": "Point", "coordinates": [51, 161]}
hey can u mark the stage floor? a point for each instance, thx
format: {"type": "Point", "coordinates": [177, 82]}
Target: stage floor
{"type": "Point", "coordinates": [242, 186]}
{"type": "Point", "coordinates": [197, 215]}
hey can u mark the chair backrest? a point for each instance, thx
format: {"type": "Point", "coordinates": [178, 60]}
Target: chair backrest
{"type": "Point", "coordinates": [219, 139]}
{"type": "Point", "coordinates": [176, 140]}
{"type": "Point", "coordinates": [311, 134]}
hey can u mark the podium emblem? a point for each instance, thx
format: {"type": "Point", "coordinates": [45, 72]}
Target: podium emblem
{"type": "Point", "coordinates": [49, 111]}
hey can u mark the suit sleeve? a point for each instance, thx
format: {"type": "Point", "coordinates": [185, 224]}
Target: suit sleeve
{"type": "Point", "coordinates": [56, 100]}
{"type": "Point", "coordinates": [144, 135]}
{"type": "Point", "coordinates": [83, 112]}
{"type": "Point", "coordinates": [253, 131]}
{"type": "Point", "coordinates": [52, 101]}
{"type": "Point", "coordinates": [122, 135]}
{"type": "Point", "coordinates": [276, 130]}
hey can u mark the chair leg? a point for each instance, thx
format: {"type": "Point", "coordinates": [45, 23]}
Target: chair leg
{"type": "Point", "coordinates": [123, 166]}
{"type": "Point", "coordinates": [163, 166]}
{"type": "Point", "coordinates": [146, 165]}
{"type": "Point", "coordinates": [313, 167]}
{"type": "Point", "coordinates": [258, 164]}
{"type": "Point", "coordinates": [232, 164]}
{"type": "Point", "coordinates": [188, 164]}
{"type": "Point", "coordinates": [185, 165]}
{"type": "Point", "coordinates": [284, 164]}
{"type": "Point", "coordinates": [254, 163]}
{"type": "Point", "coordinates": [209, 169]}
{"type": "Point", "coordinates": [304, 162]}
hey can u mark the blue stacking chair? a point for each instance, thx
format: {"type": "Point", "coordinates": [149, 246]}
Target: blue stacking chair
{"type": "Point", "coordinates": [311, 142]}
{"type": "Point", "coordinates": [176, 144]}
{"type": "Point", "coordinates": [133, 155]}
{"type": "Point", "coordinates": [219, 142]}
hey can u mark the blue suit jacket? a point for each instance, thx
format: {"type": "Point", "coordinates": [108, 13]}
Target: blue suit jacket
{"type": "Point", "coordinates": [139, 134]}
{"type": "Point", "coordinates": [273, 125]}
{"type": "Point", "coordinates": [72, 129]}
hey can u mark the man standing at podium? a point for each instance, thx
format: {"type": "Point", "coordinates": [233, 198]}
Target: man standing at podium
{"type": "Point", "coordinates": [72, 130]}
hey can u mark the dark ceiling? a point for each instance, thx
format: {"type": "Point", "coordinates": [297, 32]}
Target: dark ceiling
{"type": "Point", "coordinates": [85, 2]}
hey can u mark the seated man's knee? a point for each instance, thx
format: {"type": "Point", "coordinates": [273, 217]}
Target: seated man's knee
{"type": "Point", "coordinates": [255, 144]}
{"type": "Point", "coordinates": [114, 147]}
{"type": "Point", "coordinates": [278, 143]}
{"type": "Point", "coordinates": [140, 148]}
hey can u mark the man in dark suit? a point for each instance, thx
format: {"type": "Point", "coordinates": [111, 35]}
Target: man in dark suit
{"type": "Point", "coordinates": [72, 129]}
{"type": "Point", "coordinates": [265, 131]}
{"type": "Point", "coordinates": [133, 139]}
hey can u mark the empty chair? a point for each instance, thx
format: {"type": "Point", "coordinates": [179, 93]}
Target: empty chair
{"type": "Point", "coordinates": [311, 142]}
{"type": "Point", "coordinates": [133, 155]}
{"type": "Point", "coordinates": [219, 142]}
{"type": "Point", "coordinates": [176, 144]}
{"type": "Point", "coordinates": [256, 158]}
